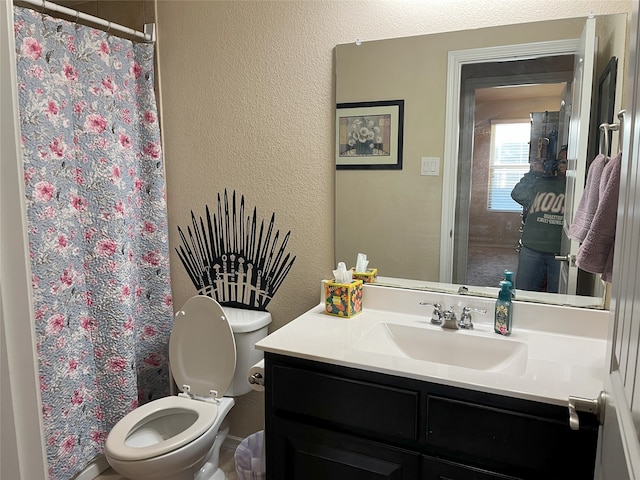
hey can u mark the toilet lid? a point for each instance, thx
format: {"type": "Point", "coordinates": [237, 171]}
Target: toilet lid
{"type": "Point", "coordinates": [202, 350]}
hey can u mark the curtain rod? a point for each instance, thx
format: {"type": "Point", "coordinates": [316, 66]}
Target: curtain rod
{"type": "Point", "coordinates": [149, 34]}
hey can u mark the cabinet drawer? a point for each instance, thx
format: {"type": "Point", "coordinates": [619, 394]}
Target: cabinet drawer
{"type": "Point", "coordinates": [387, 411]}
{"type": "Point", "coordinates": [437, 469]}
{"type": "Point", "coordinates": [509, 441]}
{"type": "Point", "coordinates": [301, 452]}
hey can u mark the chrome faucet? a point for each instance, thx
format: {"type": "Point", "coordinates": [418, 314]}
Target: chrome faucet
{"type": "Point", "coordinates": [447, 318]}
{"type": "Point", "coordinates": [450, 322]}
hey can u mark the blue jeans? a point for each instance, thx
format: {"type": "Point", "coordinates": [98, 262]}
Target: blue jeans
{"type": "Point", "coordinates": [534, 268]}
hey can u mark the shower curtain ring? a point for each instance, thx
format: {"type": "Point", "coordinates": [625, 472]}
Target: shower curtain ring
{"type": "Point", "coordinates": [109, 28]}
{"type": "Point", "coordinates": [77, 16]}
{"type": "Point", "coordinates": [43, 8]}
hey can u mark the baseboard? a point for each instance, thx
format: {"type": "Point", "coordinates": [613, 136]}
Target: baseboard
{"type": "Point", "coordinates": [95, 468]}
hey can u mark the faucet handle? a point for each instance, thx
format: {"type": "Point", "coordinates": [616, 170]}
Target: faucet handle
{"type": "Point", "coordinates": [465, 317]}
{"type": "Point", "coordinates": [437, 315]}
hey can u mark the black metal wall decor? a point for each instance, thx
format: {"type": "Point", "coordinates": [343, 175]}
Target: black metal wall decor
{"type": "Point", "coordinates": [229, 260]}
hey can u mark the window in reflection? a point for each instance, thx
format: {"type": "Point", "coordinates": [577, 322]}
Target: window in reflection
{"type": "Point", "coordinates": [508, 162]}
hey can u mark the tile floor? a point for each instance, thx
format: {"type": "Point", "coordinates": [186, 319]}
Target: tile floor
{"type": "Point", "coordinates": [227, 463]}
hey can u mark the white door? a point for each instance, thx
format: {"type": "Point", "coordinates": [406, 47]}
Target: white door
{"type": "Point", "coordinates": [578, 143]}
{"type": "Point", "coordinates": [619, 447]}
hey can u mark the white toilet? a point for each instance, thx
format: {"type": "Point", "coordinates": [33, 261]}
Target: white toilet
{"type": "Point", "coordinates": [179, 437]}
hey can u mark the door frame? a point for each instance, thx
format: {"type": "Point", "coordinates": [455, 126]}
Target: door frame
{"type": "Point", "coordinates": [456, 59]}
{"type": "Point", "coordinates": [23, 444]}
{"type": "Point", "coordinates": [578, 149]}
{"type": "Point", "coordinates": [618, 453]}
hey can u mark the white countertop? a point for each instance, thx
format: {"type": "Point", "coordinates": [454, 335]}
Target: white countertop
{"type": "Point", "coordinates": [566, 346]}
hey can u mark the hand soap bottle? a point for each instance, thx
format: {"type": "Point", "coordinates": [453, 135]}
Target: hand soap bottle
{"type": "Point", "coordinates": [502, 319]}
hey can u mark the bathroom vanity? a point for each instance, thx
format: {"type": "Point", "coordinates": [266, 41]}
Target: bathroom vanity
{"type": "Point", "coordinates": [388, 395]}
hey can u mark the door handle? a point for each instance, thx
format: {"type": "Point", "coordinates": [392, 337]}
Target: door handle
{"type": "Point", "coordinates": [570, 259]}
{"type": "Point", "coordinates": [596, 406]}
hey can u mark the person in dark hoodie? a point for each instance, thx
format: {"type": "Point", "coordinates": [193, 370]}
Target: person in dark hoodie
{"type": "Point", "coordinates": [541, 192]}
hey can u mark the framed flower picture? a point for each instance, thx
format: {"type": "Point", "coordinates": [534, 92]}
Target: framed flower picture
{"type": "Point", "coordinates": [369, 135]}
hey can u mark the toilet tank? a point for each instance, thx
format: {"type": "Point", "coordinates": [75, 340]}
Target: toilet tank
{"type": "Point", "coordinates": [249, 327]}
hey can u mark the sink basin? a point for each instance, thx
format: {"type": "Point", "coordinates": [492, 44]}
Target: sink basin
{"type": "Point", "coordinates": [449, 347]}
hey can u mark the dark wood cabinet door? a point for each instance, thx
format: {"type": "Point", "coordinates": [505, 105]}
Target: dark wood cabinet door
{"type": "Point", "coordinates": [531, 446]}
{"type": "Point", "coordinates": [302, 452]}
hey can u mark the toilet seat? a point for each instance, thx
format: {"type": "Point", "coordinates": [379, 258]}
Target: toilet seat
{"type": "Point", "coordinates": [117, 442]}
{"type": "Point", "coordinates": [202, 355]}
{"type": "Point", "coordinates": [202, 349]}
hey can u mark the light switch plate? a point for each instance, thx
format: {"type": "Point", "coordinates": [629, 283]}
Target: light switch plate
{"type": "Point", "coordinates": [430, 166]}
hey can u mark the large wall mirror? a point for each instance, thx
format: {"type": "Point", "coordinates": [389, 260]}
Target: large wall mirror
{"type": "Point", "coordinates": [399, 217]}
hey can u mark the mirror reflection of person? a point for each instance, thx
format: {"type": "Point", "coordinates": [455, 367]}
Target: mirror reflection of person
{"type": "Point", "coordinates": [525, 190]}
{"type": "Point", "coordinates": [541, 192]}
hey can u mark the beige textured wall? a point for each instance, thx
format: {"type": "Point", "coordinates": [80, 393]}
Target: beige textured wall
{"type": "Point", "coordinates": [248, 105]}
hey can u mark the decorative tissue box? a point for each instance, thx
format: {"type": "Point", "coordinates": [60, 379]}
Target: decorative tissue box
{"type": "Point", "coordinates": [367, 277]}
{"type": "Point", "coordinates": [343, 299]}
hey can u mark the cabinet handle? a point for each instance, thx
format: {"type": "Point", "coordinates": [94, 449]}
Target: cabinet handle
{"type": "Point", "coordinates": [595, 406]}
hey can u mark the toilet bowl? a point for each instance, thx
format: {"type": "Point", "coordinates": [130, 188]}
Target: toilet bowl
{"type": "Point", "coordinates": [179, 437]}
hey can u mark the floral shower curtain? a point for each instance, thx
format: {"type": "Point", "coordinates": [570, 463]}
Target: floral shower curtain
{"type": "Point", "coordinates": [98, 236]}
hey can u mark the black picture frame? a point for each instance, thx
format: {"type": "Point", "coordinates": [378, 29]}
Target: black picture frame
{"type": "Point", "coordinates": [369, 135]}
{"type": "Point", "coordinates": [606, 100]}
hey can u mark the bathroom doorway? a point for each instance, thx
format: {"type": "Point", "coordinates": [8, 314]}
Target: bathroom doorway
{"type": "Point", "coordinates": [494, 95]}
{"type": "Point", "coordinates": [507, 121]}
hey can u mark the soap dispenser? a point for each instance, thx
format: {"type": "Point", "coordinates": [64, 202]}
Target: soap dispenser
{"type": "Point", "coordinates": [502, 319]}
